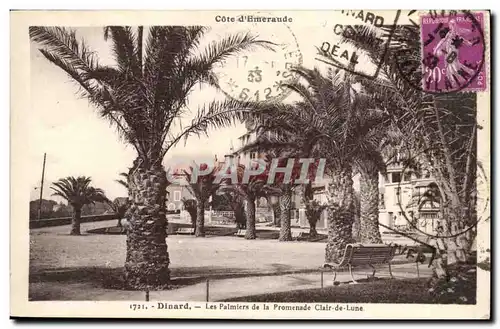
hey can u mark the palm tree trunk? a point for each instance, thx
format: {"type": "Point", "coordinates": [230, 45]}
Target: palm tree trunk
{"type": "Point", "coordinates": [356, 225]}
{"type": "Point", "coordinates": [147, 261]}
{"type": "Point", "coordinates": [340, 213]}
{"type": "Point", "coordinates": [311, 213]}
{"type": "Point", "coordinates": [312, 229]}
{"type": "Point", "coordinates": [313, 216]}
{"type": "Point", "coordinates": [277, 213]}
{"type": "Point", "coordinates": [285, 214]}
{"type": "Point", "coordinates": [369, 201]}
{"type": "Point", "coordinates": [250, 216]}
{"type": "Point", "coordinates": [75, 221]}
{"type": "Point", "coordinates": [200, 219]}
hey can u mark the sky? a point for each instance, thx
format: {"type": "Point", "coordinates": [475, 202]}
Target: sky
{"type": "Point", "coordinates": [78, 142]}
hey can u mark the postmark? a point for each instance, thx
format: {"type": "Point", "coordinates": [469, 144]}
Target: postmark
{"type": "Point", "coordinates": [335, 52]}
{"type": "Point", "coordinates": [260, 75]}
{"type": "Point", "coordinates": [453, 51]}
{"type": "Point", "coordinates": [450, 54]}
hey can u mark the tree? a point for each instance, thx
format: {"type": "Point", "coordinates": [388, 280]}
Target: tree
{"type": "Point", "coordinates": [281, 144]}
{"type": "Point", "coordinates": [202, 187]}
{"type": "Point", "coordinates": [332, 120]}
{"type": "Point", "coordinates": [144, 96]}
{"type": "Point", "coordinates": [273, 202]}
{"type": "Point", "coordinates": [235, 200]}
{"type": "Point", "coordinates": [120, 207]}
{"type": "Point", "coordinates": [383, 148]}
{"type": "Point", "coordinates": [441, 130]}
{"type": "Point", "coordinates": [246, 192]}
{"type": "Point", "coordinates": [123, 182]}
{"type": "Point", "coordinates": [314, 209]}
{"type": "Point", "coordinates": [191, 208]}
{"type": "Point", "coordinates": [78, 192]}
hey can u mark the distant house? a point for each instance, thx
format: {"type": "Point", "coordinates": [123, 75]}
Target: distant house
{"type": "Point", "coordinates": [403, 203]}
{"type": "Point", "coordinates": [47, 208]}
{"type": "Point", "coordinates": [178, 191]}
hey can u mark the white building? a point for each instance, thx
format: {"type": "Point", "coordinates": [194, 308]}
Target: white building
{"type": "Point", "coordinates": [403, 203]}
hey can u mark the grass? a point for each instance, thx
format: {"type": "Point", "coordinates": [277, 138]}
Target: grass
{"type": "Point", "coordinates": [409, 291]}
{"type": "Point", "coordinates": [210, 231]}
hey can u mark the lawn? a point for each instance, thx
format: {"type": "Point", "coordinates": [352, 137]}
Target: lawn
{"type": "Point", "coordinates": [211, 231]}
{"type": "Point", "coordinates": [414, 291]}
{"type": "Point", "coordinates": [90, 267]}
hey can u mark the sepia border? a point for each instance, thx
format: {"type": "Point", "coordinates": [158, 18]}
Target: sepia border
{"type": "Point", "coordinates": [19, 237]}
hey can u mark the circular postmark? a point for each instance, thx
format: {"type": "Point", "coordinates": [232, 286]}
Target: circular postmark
{"type": "Point", "coordinates": [450, 55]}
{"type": "Point", "coordinates": [259, 74]}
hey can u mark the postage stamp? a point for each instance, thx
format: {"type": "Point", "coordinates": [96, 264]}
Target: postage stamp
{"type": "Point", "coordinates": [229, 164]}
{"type": "Point", "coordinates": [453, 52]}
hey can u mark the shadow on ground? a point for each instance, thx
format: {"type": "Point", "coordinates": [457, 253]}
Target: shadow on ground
{"type": "Point", "coordinates": [112, 278]}
{"type": "Point", "coordinates": [407, 291]}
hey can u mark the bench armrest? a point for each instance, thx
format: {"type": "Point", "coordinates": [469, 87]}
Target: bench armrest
{"type": "Point", "coordinates": [329, 265]}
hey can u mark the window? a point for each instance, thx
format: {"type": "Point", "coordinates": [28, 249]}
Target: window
{"type": "Point", "coordinates": [397, 195]}
{"type": "Point", "coordinates": [253, 155]}
{"type": "Point", "coordinates": [429, 215]}
{"type": "Point", "coordinates": [396, 177]}
{"type": "Point", "coordinates": [406, 177]}
{"type": "Point", "coordinates": [381, 201]}
{"type": "Point", "coordinates": [177, 196]}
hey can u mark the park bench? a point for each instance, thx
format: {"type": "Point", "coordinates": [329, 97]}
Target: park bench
{"type": "Point", "coordinates": [361, 255]}
{"type": "Point", "coordinates": [240, 233]}
{"type": "Point", "coordinates": [185, 230]}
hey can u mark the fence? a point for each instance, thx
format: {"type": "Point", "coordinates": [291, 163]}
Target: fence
{"type": "Point", "coordinates": [49, 222]}
{"type": "Point", "coordinates": [223, 213]}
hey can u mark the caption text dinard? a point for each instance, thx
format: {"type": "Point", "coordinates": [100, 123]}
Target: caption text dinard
{"type": "Point", "coordinates": [163, 306]}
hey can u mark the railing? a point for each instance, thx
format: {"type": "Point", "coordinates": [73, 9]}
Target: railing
{"type": "Point", "coordinates": [223, 213]}
{"type": "Point", "coordinates": [67, 220]}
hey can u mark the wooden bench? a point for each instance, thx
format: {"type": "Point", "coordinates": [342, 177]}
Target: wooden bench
{"type": "Point", "coordinates": [185, 230]}
{"type": "Point", "coordinates": [241, 233]}
{"type": "Point", "coordinates": [358, 254]}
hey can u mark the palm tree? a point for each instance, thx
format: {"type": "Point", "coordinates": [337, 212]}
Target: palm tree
{"type": "Point", "coordinates": [144, 95]}
{"type": "Point", "coordinates": [247, 193]}
{"type": "Point", "coordinates": [78, 192]}
{"type": "Point", "coordinates": [274, 202]}
{"type": "Point", "coordinates": [236, 201]}
{"type": "Point", "coordinates": [441, 130]}
{"type": "Point", "coordinates": [356, 225]}
{"type": "Point", "coordinates": [202, 188]}
{"type": "Point", "coordinates": [123, 182]}
{"type": "Point", "coordinates": [274, 150]}
{"type": "Point", "coordinates": [120, 207]}
{"type": "Point", "coordinates": [314, 209]}
{"type": "Point", "coordinates": [378, 152]}
{"type": "Point", "coordinates": [191, 208]}
{"type": "Point", "coordinates": [331, 120]}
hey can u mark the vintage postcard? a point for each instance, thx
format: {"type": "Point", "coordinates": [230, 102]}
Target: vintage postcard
{"type": "Point", "coordinates": [250, 164]}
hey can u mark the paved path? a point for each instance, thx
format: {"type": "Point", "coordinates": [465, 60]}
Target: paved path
{"type": "Point", "coordinates": [238, 287]}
